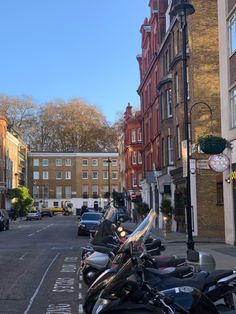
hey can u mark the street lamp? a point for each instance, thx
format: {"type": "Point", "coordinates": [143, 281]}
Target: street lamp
{"type": "Point", "coordinates": [182, 9]}
{"type": "Point", "coordinates": [109, 178]}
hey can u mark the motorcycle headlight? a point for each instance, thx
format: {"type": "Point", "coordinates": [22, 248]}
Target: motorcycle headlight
{"type": "Point", "coordinates": [120, 229]}
{"type": "Point", "coordinates": [123, 234]}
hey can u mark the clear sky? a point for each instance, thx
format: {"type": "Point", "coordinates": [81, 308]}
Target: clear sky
{"type": "Point", "coordinates": [72, 48]}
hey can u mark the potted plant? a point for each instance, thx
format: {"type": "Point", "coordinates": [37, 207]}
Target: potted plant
{"type": "Point", "coordinates": [166, 210]}
{"type": "Point", "coordinates": [142, 209]}
{"type": "Point", "coordinates": [212, 144]}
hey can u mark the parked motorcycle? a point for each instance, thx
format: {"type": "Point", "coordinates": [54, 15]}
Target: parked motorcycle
{"type": "Point", "coordinates": [126, 284]}
{"type": "Point", "coordinates": [97, 257]}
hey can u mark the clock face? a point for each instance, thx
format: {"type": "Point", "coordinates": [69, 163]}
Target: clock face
{"type": "Point", "coordinates": [219, 163]}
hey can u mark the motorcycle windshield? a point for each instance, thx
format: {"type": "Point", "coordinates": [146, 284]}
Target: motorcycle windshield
{"type": "Point", "coordinates": [111, 214]}
{"type": "Point", "coordinates": [139, 235]}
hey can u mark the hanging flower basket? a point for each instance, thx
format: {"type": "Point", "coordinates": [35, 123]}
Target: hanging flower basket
{"type": "Point", "coordinates": [213, 145]}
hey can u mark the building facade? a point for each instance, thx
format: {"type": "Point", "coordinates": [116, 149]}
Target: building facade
{"type": "Point", "coordinates": [132, 155]}
{"type": "Point", "coordinates": [152, 33]}
{"type": "Point", "coordinates": [13, 162]}
{"type": "Point", "coordinates": [80, 178]}
{"type": "Point", "coordinates": [165, 174]}
{"type": "Point", "coordinates": [227, 52]}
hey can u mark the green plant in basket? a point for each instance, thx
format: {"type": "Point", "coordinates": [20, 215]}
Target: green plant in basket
{"type": "Point", "coordinates": [212, 144]}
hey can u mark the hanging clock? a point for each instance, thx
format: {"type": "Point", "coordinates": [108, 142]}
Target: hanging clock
{"type": "Point", "coordinates": [219, 163]}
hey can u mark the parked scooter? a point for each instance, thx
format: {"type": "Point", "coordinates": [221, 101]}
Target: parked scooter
{"type": "Point", "coordinates": [125, 282]}
{"type": "Point", "coordinates": [106, 242]}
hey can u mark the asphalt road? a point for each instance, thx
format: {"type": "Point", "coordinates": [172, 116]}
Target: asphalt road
{"type": "Point", "coordinates": [39, 261]}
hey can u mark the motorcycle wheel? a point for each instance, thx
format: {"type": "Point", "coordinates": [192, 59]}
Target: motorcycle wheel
{"type": "Point", "coordinates": [89, 275]}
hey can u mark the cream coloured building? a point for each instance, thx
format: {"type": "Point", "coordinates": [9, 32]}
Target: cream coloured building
{"type": "Point", "coordinates": [80, 178]}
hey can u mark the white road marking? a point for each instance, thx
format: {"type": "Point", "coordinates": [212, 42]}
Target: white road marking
{"type": "Point", "coordinates": [68, 268]}
{"type": "Point", "coordinates": [22, 257]}
{"type": "Point", "coordinates": [64, 285]}
{"type": "Point", "coordinates": [59, 309]}
{"type": "Point", "coordinates": [80, 296]}
{"type": "Point", "coordinates": [40, 284]}
{"type": "Point", "coordinates": [39, 230]}
{"type": "Point", "coordinates": [80, 310]}
{"type": "Point", "coordinates": [71, 259]}
{"type": "Point", "coordinates": [80, 286]}
{"type": "Point", "coordinates": [80, 277]}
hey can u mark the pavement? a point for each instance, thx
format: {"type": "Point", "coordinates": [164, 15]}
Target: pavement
{"type": "Point", "coordinates": [176, 244]}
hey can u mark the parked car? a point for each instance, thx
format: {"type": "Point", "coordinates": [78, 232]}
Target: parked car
{"type": "Point", "coordinates": [122, 214]}
{"type": "Point", "coordinates": [56, 210]}
{"type": "Point", "coordinates": [89, 222]}
{"type": "Point", "coordinates": [34, 214]}
{"type": "Point", "coordinates": [46, 212]}
{"type": "Point", "coordinates": [4, 220]}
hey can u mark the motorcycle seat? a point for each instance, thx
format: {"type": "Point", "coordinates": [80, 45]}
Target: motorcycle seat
{"type": "Point", "coordinates": [169, 262]}
{"type": "Point", "coordinates": [102, 249]}
{"type": "Point", "coordinates": [216, 275]}
{"type": "Point", "coordinates": [179, 272]}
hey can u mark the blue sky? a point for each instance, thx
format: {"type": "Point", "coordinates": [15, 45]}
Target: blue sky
{"type": "Point", "coordinates": [72, 48]}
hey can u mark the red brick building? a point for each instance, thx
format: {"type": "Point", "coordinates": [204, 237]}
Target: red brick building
{"type": "Point", "coordinates": [132, 152]}
{"type": "Point", "coordinates": [152, 33]}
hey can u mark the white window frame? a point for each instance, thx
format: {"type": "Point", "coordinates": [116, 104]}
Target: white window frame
{"type": "Point", "coordinates": [85, 162]}
{"type": "Point", "coordinates": [139, 158]}
{"type": "Point", "coordinates": [36, 162]}
{"type": "Point", "coordinates": [114, 175]}
{"type": "Point", "coordinates": [35, 175]}
{"type": "Point", "coordinates": [58, 162]}
{"type": "Point", "coordinates": [67, 175]}
{"type": "Point", "coordinates": [85, 175]}
{"type": "Point", "coordinates": [45, 162]}
{"type": "Point", "coordinates": [57, 176]}
{"type": "Point", "coordinates": [233, 107]}
{"type": "Point", "coordinates": [114, 162]}
{"type": "Point", "coordinates": [170, 150]}
{"type": "Point", "coordinates": [45, 175]}
{"type": "Point", "coordinates": [94, 162]}
{"type": "Point", "coordinates": [95, 175]}
{"type": "Point", "coordinates": [85, 189]}
{"type": "Point", "coordinates": [169, 103]}
{"type": "Point", "coordinates": [139, 135]}
{"type": "Point", "coordinates": [68, 191]}
{"type": "Point", "coordinates": [232, 34]}
{"type": "Point", "coordinates": [105, 188]}
{"type": "Point", "coordinates": [35, 191]}
{"type": "Point", "coordinates": [134, 157]}
{"type": "Point", "coordinates": [67, 162]}
{"type": "Point", "coordinates": [105, 175]}
{"type": "Point", "coordinates": [58, 192]}
{"type": "Point", "coordinates": [133, 136]}
{"type": "Point", "coordinates": [95, 189]}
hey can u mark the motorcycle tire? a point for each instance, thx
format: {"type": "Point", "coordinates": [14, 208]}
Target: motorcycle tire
{"type": "Point", "coordinates": [87, 278]}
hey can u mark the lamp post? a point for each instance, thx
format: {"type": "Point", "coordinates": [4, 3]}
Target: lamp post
{"type": "Point", "coordinates": [182, 9]}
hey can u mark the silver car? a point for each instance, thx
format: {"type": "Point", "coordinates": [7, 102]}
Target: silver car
{"type": "Point", "coordinates": [34, 214]}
